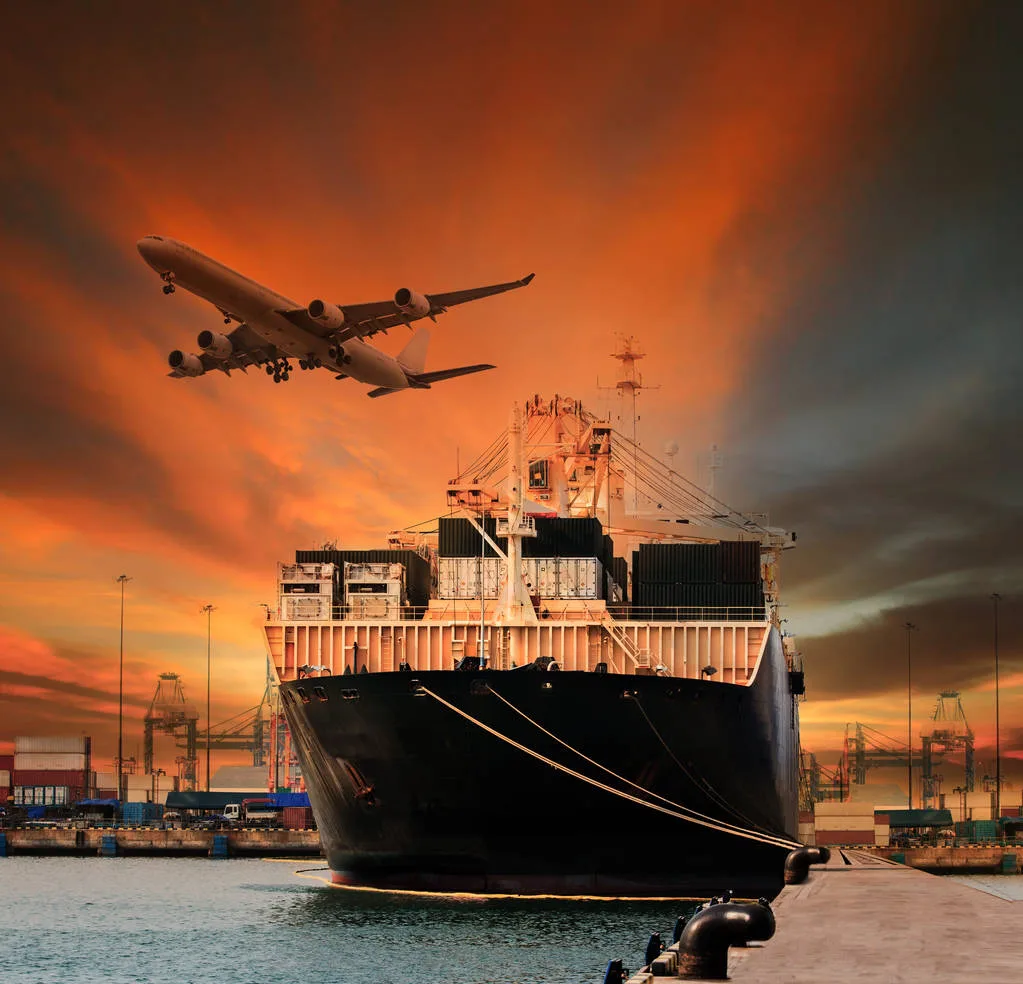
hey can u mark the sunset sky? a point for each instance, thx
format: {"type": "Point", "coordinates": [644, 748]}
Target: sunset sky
{"type": "Point", "coordinates": [809, 214]}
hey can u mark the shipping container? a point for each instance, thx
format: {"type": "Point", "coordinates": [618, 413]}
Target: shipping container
{"type": "Point", "coordinates": [6, 762]}
{"type": "Point", "coordinates": [300, 607]}
{"type": "Point", "coordinates": [49, 777]}
{"type": "Point", "coordinates": [580, 577]}
{"type": "Point", "coordinates": [457, 537]}
{"type": "Point", "coordinates": [297, 817]}
{"type": "Point", "coordinates": [5, 779]}
{"type": "Point", "coordinates": [847, 822]}
{"type": "Point", "coordinates": [106, 780]}
{"type": "Point", "coordinates": [849, 838]}
{"type": "Point", "coordinates": [417, 567]}
{"type": "Point", "coordinates": [740, 562]}
{"type": "Point", "coordinates": [45, 795]}
{"type": "Point", "coordinates": [58, 745]}
{"type": "Point", "coordinates": [50, 761]}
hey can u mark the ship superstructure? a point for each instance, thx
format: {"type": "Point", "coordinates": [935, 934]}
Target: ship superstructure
{"type": "Point", "coordinates": [664, 701]}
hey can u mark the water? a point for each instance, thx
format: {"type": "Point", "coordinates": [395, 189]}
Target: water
{"type": "Point", "coordinates": [191, 921]}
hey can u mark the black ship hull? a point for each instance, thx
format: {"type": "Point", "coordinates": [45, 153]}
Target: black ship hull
{"type": "Point", "coordinates": [409, 794]}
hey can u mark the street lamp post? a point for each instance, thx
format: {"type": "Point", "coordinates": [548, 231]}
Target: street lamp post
{"type": "Point", "coordinates": [998, 732]}
{"type": "Point", "coordinates": [910, 629]}
{"type": "Point", "coordinates": [123, 579]}
{"type": "Point", "coordinates": [208, 609]}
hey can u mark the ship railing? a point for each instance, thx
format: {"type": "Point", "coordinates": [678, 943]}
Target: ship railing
{"type": "Point", "coordinates": [550, 609]}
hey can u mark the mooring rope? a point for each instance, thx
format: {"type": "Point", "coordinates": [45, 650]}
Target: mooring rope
{"type": "Point", "coordinates": [712, 825]}
{"type": "Point", "coordinates": [636, 785]}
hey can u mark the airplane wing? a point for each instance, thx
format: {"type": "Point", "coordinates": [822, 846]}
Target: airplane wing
{"type": "Point", "coordinates": [422, 380]}
{"type": "Point", "coordinates": [249, 349]}
{"type": "Point", "coordinates": [365, 320]}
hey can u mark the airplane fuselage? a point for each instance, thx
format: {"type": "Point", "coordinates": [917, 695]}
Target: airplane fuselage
{"type": "Point", "coordinates": [246, 301]}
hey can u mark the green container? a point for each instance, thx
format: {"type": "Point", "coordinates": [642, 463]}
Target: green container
{"type": "Point", "coordinates": [899, 857]}
{"type": "Point", "coordinates": [1008, 864]}
{"type": "Point", "coordinates": [985, 830]}
{"type": "Point", "coordinates": [964, 829]}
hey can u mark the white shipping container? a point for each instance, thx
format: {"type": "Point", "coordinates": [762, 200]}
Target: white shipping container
{"type": "Point", "coordinates": [973, 800]}
{"type": "Point", "coordinates": [579, 577]}
{"type": "Point", "coordinates": [882, 836]}
{"type": "Point", "coordinates": [40, 795]}
{"type": "Point", "coordinates": [5, 779]}
{"type": "Point", "coordinates": [59, 745]}
{"type": "Point", "coordinates": [106, 780]}
{"type": "Point", "coordinates": [305, 608]}
{"type": "Point", "coordinates": [459, 577]}
{"type": "Point", "coordinates": [982, 813]}
{"type": "Point", "coordinates": [845, 823]}
{"type": "Point", "coordinates": [836, 809]}
{"type": "Point", "coordinates": [50, 762]}
{"type": "Point", "coordinates": [373, 606]}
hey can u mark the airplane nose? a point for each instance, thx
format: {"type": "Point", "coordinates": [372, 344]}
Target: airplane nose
{"type": "Point", "coordinates": [148, 245]}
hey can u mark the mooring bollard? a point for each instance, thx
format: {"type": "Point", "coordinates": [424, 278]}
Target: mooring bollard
{"type": "Point", "coordinates": [798, 862]}
{"type": "Point", "coordinates": [653, 949]}
{"type": "Point", "coordinates": [615, 973]}
{"type": "Point", "coordinates": [703, 946]}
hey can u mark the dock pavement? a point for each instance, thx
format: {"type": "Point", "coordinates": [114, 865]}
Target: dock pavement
{"type": "Point", "coordinates": [864, 918]}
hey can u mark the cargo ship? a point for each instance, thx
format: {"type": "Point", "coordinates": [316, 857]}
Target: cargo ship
{"type": "Point", "coordinates": [547, 692]}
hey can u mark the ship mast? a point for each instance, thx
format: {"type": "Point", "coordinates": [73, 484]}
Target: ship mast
{"type": "Point", "coordinates": [516, 607]}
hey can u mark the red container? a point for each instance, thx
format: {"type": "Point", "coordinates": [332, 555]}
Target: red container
{"type": "Point", "coordinates": [6, 763]}
{"type": "Point", "coordinates": [5, 794]}
{"type": "Point", "coordinates": [48, 777]}
{"type": "Point", "coordinates": [1010, 811]}
{"type": "Point", "coordinates": [106, 794]}
{"type": "Point", "coordinates": [882, 818]}
{"type": "Point", "coordinates": [297, 817]}
{"type": "Point", "coordinates": [806, 816]}
{"type": "Point", "coordinates": [850, 837]}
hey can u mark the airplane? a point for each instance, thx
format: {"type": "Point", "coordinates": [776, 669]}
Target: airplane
{"type": "Point", "coordinates": [272, 329]}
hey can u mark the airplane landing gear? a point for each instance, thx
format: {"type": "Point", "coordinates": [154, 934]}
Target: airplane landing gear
{"type": "Point", "coordinates": [311, 362]}
{"type": "Point", "coordinates": [168, 282]}
{"type": "Point", "coordinates": [279, 369]}
{"type": "Point", "coordinates": [168, 288]}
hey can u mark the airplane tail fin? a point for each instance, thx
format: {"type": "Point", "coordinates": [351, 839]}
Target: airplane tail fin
{"type": "Point", "coordinates": [412, 358]}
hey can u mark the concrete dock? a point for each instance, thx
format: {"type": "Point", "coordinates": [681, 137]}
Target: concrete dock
{"type": "Point", "coordinates": [864, 918]}
{"type": "Point", "coordinates": [157, 841]}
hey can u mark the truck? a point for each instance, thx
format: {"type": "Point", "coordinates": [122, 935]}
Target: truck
{"type": "Point", "coordinates": [252, 812]}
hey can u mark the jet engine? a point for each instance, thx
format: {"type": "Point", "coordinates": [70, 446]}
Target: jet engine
{"type": "Point", "coordinates": [185, 364]}
{"type": "Point", "coordinates": [215, 344]}
{"type": "Point", "coordinates": [410, 303]}
{"type": "Point", "coordinates": [326, 314]}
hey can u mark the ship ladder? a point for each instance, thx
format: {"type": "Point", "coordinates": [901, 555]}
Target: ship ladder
{"type": "Point", "coordinates": [666, 806]}
{"type": "Point", "coordinates": [639, 657]}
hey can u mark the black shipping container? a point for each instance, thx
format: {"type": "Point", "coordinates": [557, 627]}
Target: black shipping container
{"type": "Point", "coordinates": [566, 537]}
{"type": "Point", "coordinates": [417, 568]}
{"type": "Point", "coordinates": [620, 574]}
{"type": "Point", "coordinates": [740, 562]}
{"type": "Point", "coordinates": [669, 563]}
{"type": "Point", "coordinates": [457, 537]}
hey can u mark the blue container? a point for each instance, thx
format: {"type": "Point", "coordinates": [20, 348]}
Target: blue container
{"type": "Point", "coordinates": [108, 846]}
{"type": "Point", "coordinates": [219, 848]}
{"type": "Point", "coordinates": [3, 844]}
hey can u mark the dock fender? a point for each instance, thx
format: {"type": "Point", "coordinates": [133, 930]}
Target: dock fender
{"type": "Point", "coordinates": [703, 946]}
{"type": "Point", "coordinates": [798, 862]}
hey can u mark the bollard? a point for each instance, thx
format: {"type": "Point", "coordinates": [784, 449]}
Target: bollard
{"type": "Point", "coordinates": [798, 862]}
{"type": "Point", "coordinates": [219, 848]}
{"type": "Point", "coordinates": [680, 924]}
{"type": "Point", "coordinates": [615, 973]}
{"type": "Point", "coordinates": [653, 949]}
{"type": "Point", "coordinates": [108, 846]}
{"type": "Point", "coordinates": [703, 947]}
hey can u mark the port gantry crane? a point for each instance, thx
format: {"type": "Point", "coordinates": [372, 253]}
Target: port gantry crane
{"type": "Point", "coordinates": [870, 748]}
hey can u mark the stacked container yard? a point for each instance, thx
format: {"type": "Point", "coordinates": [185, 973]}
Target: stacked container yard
{"type": "Point", "coordinates": [53, 771]}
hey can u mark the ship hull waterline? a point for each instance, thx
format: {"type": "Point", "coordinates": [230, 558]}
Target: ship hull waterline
{"type": "Point", "coordinates": [410, 795]}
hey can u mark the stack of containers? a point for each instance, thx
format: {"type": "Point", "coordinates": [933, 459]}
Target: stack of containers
{"type": "Point", "coordinates": [52, 771]}
{"type": "Point", "coordinates": [847, 824]}
{"type": "Point", "coordinates": [698, 580]}
{"type": "Point", "coordinates": [6, 768]}
{"type": "Point", "coordinates": [297, 818]}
